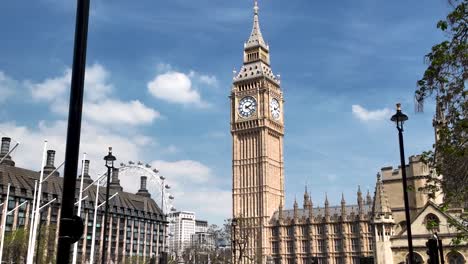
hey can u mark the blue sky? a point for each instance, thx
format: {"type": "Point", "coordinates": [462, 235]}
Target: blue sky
{"type": "Point", "coordinates": [159, 75]}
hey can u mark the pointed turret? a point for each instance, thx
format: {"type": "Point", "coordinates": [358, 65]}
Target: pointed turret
{"type": "Point", "coordinates": [381, 207]}
{"type": "Point", "coordinates": [256, 56]}
{"type": "Point", "coordinates": [296, 209]}
{"type": "Point", "coordinates": [280, 211]}
{"type": "Point", "coordinates": [306, 198]}
{"type": "Point", "coordinates": [368, 198]}
{"type": "Point", "coordinates": [256, 38]}
{"type": "Point", "coordinates": [360, 200]}
{"type": "Point", "coordinates": [343, 206]}
{"type": "Point", "coordinates": [327, 208]}
{"type": "Point", "coordinates": [383, 224]}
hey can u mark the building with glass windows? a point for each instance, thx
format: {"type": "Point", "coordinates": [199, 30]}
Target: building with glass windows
{"type": "Point", "coordinates": [137, 227]}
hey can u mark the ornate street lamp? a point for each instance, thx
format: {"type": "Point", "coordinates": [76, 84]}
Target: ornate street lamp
{"type": "Point", "coordinates": [110, 166]}
{"type": "Point", "coordinates": [399, 118]}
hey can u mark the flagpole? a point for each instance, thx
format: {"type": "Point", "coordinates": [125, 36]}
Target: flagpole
{"type": "Point", "coordinates": [4, 216]}
{"type": "Point", "coordinates": [80, 196]}
{"type": "Point", "coordinates": [38, 202]}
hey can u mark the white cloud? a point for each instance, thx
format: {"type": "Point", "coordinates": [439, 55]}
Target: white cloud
{"type": "Point", "coordinates": [7, 86]}
{"type": "Point", "coordinates": [175, 87]}
{"type": "Point", "coordinates": [99, 104]}
{"type": "Point", "coordinates": [94, 141]}
{"type": "Point", "coordinates": [370, 115]}
{"type": "Point", "coordinates": [116, 111]}
{"type": "Point", "coordinates": [184, 172]}
{"type": "Point", "coordinates": [52, 89]}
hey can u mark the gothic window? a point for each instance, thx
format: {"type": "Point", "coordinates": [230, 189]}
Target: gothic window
{"type": "Point", "coordinates": [304, 230]}
{"type": "Point", "coordinates": [321, 245]}
{"type": "Point", "coordinates": [338, 245]}
{"type": "Point", "coordinates": [354, 228]}
{"type": "Point", "coordinates": [354, 244]}
{"type": "Point", "coordinates": [305, 246]}
{"type": "Point", "coordinates": [275, 232]}
{"type": "Point", "coordinates": [371, 244]}
{"type": "Point", "coordinates": [289, 231]}
{"type": "Point", "coordinates": [356, 260]}
{"type": "Point", "coordinates": [432, 222]}
{"type": "Point", "coordinates": [320, 229]}
{"type": "Point", "coordinates": [275, 247]}
{"type": "Point", "coordinates": [336, 228]}
{"type": "Point", "coordinates": [455, 258]}
{"type": "Point", "coordinates": [338, 260]}
{"type": "Point", "coordinates": [289, 246]}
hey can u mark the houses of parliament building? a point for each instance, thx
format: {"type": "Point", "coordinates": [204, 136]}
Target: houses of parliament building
{"type": "Point", "coordinates": [372, 230]}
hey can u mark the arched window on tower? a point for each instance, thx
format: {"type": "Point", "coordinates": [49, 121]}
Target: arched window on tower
{"type": "Point", "coordinates": [455, 258]}
{"type": "Point", "coordinates": [432, 222]}
{"type": "Point", "coordinates": [417, 259]}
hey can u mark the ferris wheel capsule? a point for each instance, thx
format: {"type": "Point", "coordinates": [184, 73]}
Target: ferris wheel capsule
{"type": "Point", "coordinates": [140, 163]}
{"type": "Point", "coordinates": [147, 165]}
{"type": "Point", "coordinates": [155, 171]}
{"type": "Point", "coordinates": [131, 162]}
{"type": "Point", "coordinates": [122, 164]}
{"type": "Point", "coordinates": [171, 197]}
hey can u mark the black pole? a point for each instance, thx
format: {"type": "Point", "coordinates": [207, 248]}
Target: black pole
{"type": "Point", "coordinates": [103, 259]}
{"type": "Point", "coordinates": [73, 131]}
{"type": "Point", "coordinates": [405, 194]}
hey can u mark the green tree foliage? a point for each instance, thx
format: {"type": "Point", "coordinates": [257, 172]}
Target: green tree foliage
{"type": "Point", "coordinates": [16, 245]}
{"type": "Point", "coordinates": [445, 79]}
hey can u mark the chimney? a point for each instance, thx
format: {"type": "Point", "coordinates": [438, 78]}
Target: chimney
{"type": "Point", "coordinates": [49, 167]}
{"type": "Point", "coordinates": [86, 178]}
{"type": "Point", "coordinates": [5, 148]}
{"type": "Point", "coordinates": [143, 191]}
{"type": "Point", "coordinates": [115, 182]}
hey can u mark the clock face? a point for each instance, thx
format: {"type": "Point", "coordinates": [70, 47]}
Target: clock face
{"type": "Point", "coordinates": [275, 108]}
{"type": "Point", "coordinates": [247, 106]}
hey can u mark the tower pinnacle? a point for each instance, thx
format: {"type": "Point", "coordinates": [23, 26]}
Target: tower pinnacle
{"type": "Point", "coordinates": [256, 38]}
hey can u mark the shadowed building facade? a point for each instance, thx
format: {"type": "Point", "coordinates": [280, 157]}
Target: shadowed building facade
{"type": "Point", "coordinates": [136, 223]}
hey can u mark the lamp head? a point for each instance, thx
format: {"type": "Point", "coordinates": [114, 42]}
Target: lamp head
{"type": "Point", "coordinates": [110, 159]}
{"type": "Point", "coordinates": [234, 222]}
{"type": "Point", "coordinates": [399, 118]}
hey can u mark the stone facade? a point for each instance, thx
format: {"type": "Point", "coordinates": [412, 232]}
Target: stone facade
{"type": "Point", "coordinates": [372, 231]}
{"type": "Point", "coordinates": [137, 226]}
{"type": "Point", "coordinates": [257, 132]}
{"type": "Point", "coordinates": [330, 234]}
{"type": "Point", "coordinates": [389, 218]}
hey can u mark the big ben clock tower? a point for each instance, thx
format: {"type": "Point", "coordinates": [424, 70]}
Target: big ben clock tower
{"type": "Point", "coordinates": [257, 128]}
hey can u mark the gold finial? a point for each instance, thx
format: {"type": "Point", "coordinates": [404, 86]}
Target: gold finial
{"type": "Point", "coordinates": [110, 149]}
{"type": "Point", "coordinates": [398, 107]}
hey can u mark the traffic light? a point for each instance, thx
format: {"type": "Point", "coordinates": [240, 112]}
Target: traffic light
{"type": "Point", "coordinates": [432, 251]}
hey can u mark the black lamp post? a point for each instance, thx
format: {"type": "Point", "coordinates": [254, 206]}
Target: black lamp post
{"type": "Point", "coordinates": [233, 242]}
{"type": "Point", "coordinates": [399, 118]}
{"type": "Point", "coordinates": [110, 165]}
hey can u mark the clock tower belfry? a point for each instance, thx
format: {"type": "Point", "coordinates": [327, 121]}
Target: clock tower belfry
{"type": "Point", "coordinates": [257, 128]}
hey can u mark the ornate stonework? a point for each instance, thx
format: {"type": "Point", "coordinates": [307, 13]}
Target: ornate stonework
{"type": "Point", "coordinates": [257, 132]}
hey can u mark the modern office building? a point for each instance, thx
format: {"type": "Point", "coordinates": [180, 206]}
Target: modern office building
{"type": "Point", "coordinates": [137, 227]}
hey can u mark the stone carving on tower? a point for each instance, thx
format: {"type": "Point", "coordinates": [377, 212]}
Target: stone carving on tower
{"type": "Point", "coordinates": [257, 130]}
{"type": "Point", "coordinates": [383, 224]}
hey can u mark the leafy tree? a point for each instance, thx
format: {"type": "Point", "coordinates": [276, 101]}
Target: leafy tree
{"type": "Point", "coordinates": [16, 245]}
{"type": "Point", "coordinates": [445, 79]}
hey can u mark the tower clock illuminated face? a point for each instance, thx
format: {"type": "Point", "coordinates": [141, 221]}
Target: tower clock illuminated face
{"type": "Point", "coordinates": [247, 106]}
{"type": "Point", "coordinates": [275, 108]}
